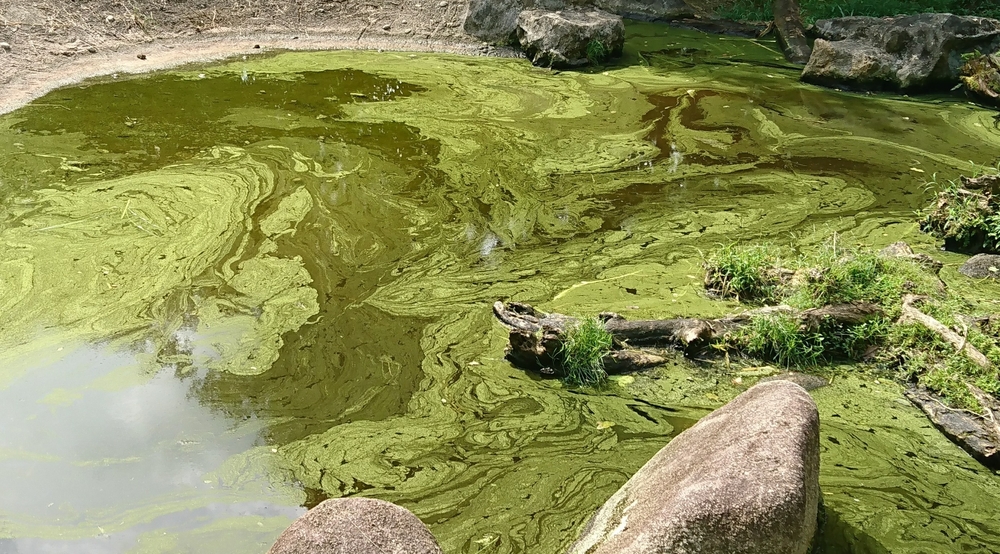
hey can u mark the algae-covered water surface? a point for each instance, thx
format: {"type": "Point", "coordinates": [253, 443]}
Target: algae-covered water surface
{"type": "Point", "coordinates": [229, 292]}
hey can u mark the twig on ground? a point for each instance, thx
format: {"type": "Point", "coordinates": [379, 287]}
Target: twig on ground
{"type": "Point", "coordinates": [989, 405]}
{"type": "Point", "coordinates": [912, 314]}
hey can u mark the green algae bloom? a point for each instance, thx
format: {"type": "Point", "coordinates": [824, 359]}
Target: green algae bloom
{"type": "Point", "coordinates": [312, 251]}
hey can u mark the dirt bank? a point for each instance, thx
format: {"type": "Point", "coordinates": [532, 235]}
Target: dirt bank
{"type": "Point", "coordinates": [52, 43]}
{"type": "Point", "coordinates": [45, 44]}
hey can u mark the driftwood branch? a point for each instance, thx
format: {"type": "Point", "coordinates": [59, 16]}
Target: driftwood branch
{"type": "Point", "coordinates": [910, 314]}
{"type": "Point", "coordinates": [791, 33]}
{"type": "Point", "coordinates": [536, 336]}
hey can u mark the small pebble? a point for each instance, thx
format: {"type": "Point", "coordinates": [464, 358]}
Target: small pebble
{"type": "Point", "coordinates": [92, 49]}
{"type": "Point", "coordinates": [141, 56]}
{"type": "Point", "coordinates": [109, 19]}
{"type": "Point", "coordinates": [386, 27]}
{"type": "Point", "coordinates": [443, 5]}
{"type": "Point", "coordinates": [5, 46]}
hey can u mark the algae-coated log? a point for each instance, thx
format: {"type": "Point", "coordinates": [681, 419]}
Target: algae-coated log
{"type": "Point", "coordinates": [966, 429]}
{"type": "Point", "coordinates": [791, 33]}
{"type": "Point", "coordinates": [536, 336]}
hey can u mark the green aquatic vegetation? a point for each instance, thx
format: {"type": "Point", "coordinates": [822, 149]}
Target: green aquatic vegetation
{"type": "Point", "coordinates": [928, 359]}
{"type": "Point", "coordinates": [582, 352]}
{"type": "Point", "coordinates": [597, 52]}
{"type": "Point", "coordinates": [967, 220]}
{"type": "Point", "coordinates": [827, 277]}
{"type": "Point", "coordinates": [834, 276]}
{"type": "Point", "coordinates": [783, 339]}
{"type": "Point", "coordinates": [744, 272]}
{"type": "Point", "coordinates": [858, 276]}
{"type": "Point", "coordinates": [757, 274]}
{"type": "Point", "coordinates": [780, 338]}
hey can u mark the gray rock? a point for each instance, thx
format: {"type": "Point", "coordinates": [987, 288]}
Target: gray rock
{"type": "Point", "coordinates": [496, 20]}
{"type": "Point", "coordinates": [562, 39]}
{"type": "Point", "coordinates": [981, 266]}
{"type": "Point", "coordinates": [743, 480]}
{"type": "Point", "coordinates": [493, 20]}
{"type": "Point", "coordinates": [356, 526]}
{"type": "Point", "coordinates": [906, 53]}
{"type": "Point", "coordinates": [5, 46]}
{"type": "Point", "coordinates": [903, 251]}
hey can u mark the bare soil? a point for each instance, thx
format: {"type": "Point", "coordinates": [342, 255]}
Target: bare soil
{"type": "Point", "coordinates": [52, 43]}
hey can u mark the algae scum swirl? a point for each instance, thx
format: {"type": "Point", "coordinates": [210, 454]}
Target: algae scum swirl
{"type": "Point", "coordinates": [231, 292]}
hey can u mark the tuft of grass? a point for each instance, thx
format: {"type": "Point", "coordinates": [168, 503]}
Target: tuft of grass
{"type": "Point", "coordinates": [582, 352]}
{"type": "Point", "coordinates": [744, 272]}
{"type": "Point", "coordinates": [780, 338]}
{"type": "Point", "coordinates": [745, 10]}
{"type": "Point", "coordinates": [597, 52]}
{"type": "Point", "coordinates": [859, 276]}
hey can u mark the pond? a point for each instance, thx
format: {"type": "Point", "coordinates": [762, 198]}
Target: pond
{"type": "Point", "coordinates": [230, 292]}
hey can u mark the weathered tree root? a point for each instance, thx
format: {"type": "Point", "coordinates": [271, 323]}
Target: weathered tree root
{"type": "Point", "coordinates": [536, 337]}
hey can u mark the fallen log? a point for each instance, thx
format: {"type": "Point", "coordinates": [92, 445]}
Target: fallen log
{"type": "Point", "coordinates": [536, 336]}
{"type": "Point", "coordinates": [791, 33]}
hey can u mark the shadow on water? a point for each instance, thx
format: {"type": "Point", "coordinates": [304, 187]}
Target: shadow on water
{"type": "Point", "coordinates": [839, 537]}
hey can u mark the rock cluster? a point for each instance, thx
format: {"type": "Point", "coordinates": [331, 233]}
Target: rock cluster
{"type": "Point", "coordinates": [906, 53]}
{"type": "Point", "coordinates": [496, 20]}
